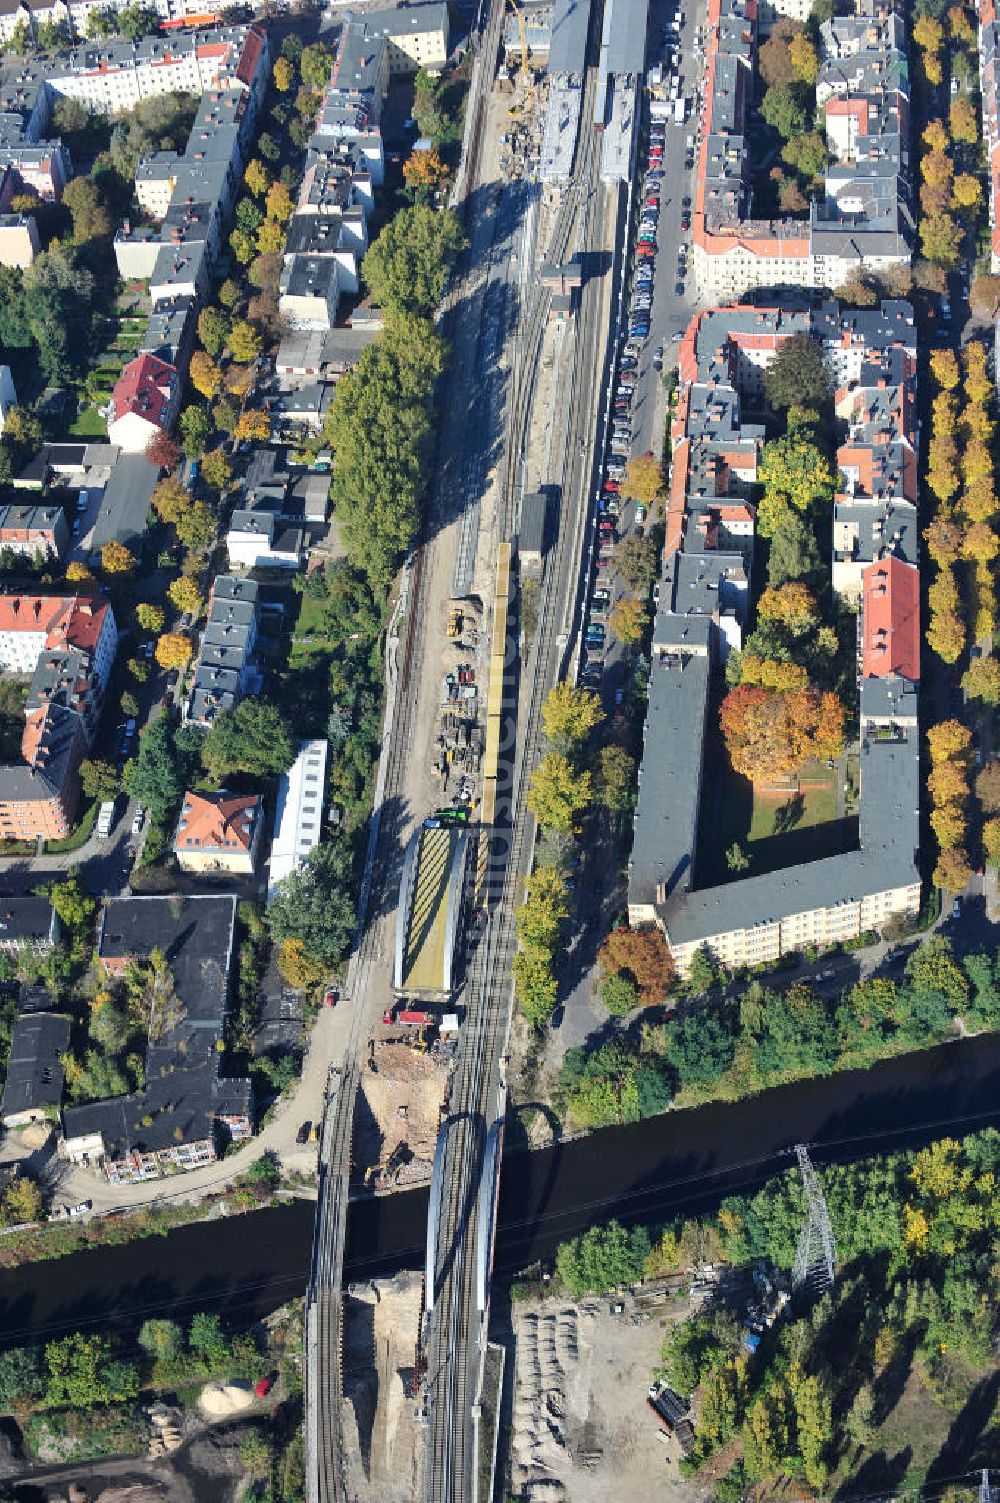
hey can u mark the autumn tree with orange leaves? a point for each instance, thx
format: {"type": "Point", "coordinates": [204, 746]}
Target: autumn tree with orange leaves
{"type": "Point", "coordinates": [424, 169]}
{"type": "Point", "coordinates": [771, 734]}
{"type": "Point", "coordinates": [642, 956]}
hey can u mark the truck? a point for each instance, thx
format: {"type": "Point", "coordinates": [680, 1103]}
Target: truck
{"type": "Point", "coordinates": [105, 819]}
{"type": "Point", "coordinates": [680, 111]}
{"type": "Point", "coordinates": [412, 1016]}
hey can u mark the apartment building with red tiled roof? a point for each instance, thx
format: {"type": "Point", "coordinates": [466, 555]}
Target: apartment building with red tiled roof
{"type": "Point", "coordinates": [890, 621]}
{"type": "Point", "coordinates": [67, 644]}
{"type": "Point", "coordinates": [862, 218]}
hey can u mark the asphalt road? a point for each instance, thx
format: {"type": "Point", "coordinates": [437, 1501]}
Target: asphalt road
{"type": "Point", "coordinates": [670, 313]}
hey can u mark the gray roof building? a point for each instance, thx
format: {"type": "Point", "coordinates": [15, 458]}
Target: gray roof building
{"type": "Point", "coordinates": [27, 921]}
{"type": "Point", "coordinates": [34, 1082]}
{"type": "Point", "coordinates": [184, 1095]}
{"type": "Point", "coordinates": [126, 501]}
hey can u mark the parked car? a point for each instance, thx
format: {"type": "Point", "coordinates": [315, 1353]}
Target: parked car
{"type": "Point", "coordinates": [265, 1384]}
{"type": "Point", "coordinates": [331, 996]}
{"type": "Point", "coordinates": [302, 1136]}
{"type": "Point", "coordinates": [81, 1208]}
{"type": "Point", "coordinates": [140, 815]}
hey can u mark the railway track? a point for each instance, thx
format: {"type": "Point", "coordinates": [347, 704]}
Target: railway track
{"type": "Point", "coordinates": [451, 1464]}
{"type": "Point", "coordinates": [326, 1462]}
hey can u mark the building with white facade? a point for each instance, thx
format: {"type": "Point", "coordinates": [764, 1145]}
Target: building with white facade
{"type": "Point", "coordinates": [298, 820]}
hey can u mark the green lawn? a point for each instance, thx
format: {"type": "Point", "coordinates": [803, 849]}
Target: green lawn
{"type": "Point", "coordinates": [88, 423]}
{"type": "Point", "coordinates": [813, 803]}
{"type": "Point", "coordinates": [311, 620]}
{"type": "Point", "coordinates": [774, 828]}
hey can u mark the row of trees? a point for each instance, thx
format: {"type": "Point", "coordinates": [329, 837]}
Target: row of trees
{"type": "Point", "coordinates": [950, 28]}
{"type": "Point", "coordinates": [950, 746]}
{"type": "Point", "coordinates": [133, 23]}
{"type": "Point", "coordinates": [960, 475]}
{"type": "Point", "coordinates": [788, 64]}
{"type": "Point", "coordinates": [86, 1371]}
{"type": "Point", "coordinates": [728, 1049]}
{"type": "Point", "coordinates": [47, 309]}
{"type": "Point", "coordinates": [944, 193]}
{"type": "Point", "coordinates": [380, 423]}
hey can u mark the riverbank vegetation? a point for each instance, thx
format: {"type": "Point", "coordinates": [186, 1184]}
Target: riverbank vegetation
{"type": "Point", "coordinates": [720, 1047]}
{"type": "Point", "coordinates": [890, 1379]}
{"type": "Point", "coordinates": [254, 1190]}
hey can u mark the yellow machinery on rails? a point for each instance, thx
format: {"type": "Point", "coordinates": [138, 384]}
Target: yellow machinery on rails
{"type": "Point", "coordinates": [494, 707]}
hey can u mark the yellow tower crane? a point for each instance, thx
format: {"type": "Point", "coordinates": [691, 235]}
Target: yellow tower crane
{"type": "Point", "coordinates": [522, 28]}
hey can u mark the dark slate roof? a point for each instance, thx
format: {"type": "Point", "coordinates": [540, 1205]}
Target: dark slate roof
{"type": "Point", "coordinates": [126, 500]}
{"type": "Point", "coordinates": [34, 1071]}
{"type": "Point", "coordinates": [27, 921]}
{"type": "Point", "coordinates": [183, 1092]}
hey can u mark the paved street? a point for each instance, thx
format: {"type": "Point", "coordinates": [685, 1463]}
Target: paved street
{"type": "Point", "coordinates": [277, 1135]}
{"type": "Point", "coordinates": [104, 864]}
{"type": "Point", "coordinates": [670, 313]}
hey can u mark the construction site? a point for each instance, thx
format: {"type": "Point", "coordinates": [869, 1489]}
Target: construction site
{"type": "Point", "coordinates": [523, 88]}
{"type": "Point", "coordinates": [383, 1429]}
{"type": "Point", "coordinates": [404, 1093]}
{"type": "Point", "coordinates": [580, 1427]}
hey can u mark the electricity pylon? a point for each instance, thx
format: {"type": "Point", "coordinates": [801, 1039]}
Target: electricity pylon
{"type": "Point", "coordinates": [816, 1256]}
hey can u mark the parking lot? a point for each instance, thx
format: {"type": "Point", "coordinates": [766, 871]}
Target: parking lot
{"type": "Point", "coordinates": [657, 307]}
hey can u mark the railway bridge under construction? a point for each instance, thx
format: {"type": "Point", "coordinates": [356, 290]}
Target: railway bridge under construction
{"type": "Point", "coordinates": [429, 915]}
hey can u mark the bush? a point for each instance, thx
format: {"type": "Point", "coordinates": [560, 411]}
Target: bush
{"type": "Point", "coordinates": [620, 995]}
{"type": "Point", "coordinates": [603, 1258]}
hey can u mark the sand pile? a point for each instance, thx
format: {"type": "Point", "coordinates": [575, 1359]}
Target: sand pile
{"type": "Point", "coordinates": [220, 1400]}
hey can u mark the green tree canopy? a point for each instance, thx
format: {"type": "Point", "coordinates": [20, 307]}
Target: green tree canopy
{"type": "Point", "coordinates": [315, 904]}
{"type": "Point", "coordinates": [569, 716]}
{"type": "Point", "coordinates": [82, 1373]}
{"type": "Point", "coordinates": [783, 110]}
{"type": "Point", "coordinates": [793, 553]}
{"type": "Point", "coordinates": [379, 426]}
{"type": "Point", "coordinates": [796, 475]}
{"type": "Point", "coordinates": [160, 1339]}
{"type": "Point", "coordinates": [75, 907]}
{"type": "Point", "coordinates": [409, 262]}
{"type": "Point", "coordinates": [799, 375]}
{"type": "Point", "coordinates": [154, 777]}
{"type": "Point", "coordinates": [605, 1257]}
{"type": "Point", "coordinates": [254, 738]}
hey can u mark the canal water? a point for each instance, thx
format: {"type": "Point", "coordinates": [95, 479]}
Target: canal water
{"type": "Point", "coordinates": [245, 1266]}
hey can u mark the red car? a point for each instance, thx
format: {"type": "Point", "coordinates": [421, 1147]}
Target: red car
{"type": "Point", "coordinates": [611, 488]}
{"type": "Point", "coordinates": [331, 997]}
{"type": "Point", "coordinates": [265, 1385]}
